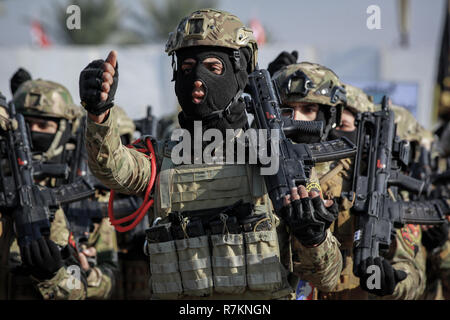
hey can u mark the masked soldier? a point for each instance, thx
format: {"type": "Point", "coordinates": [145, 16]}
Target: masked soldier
{"type": "Point", "coordinates": [53, 119]}
{"type": "Point", "coordinates": [202, 205]}
{"type": "Point", "coordinates": [407, 252]}
{"type": "Point", "coordinates": [45, 274]}
{"type": "Point", "coordinates": [335, 177]}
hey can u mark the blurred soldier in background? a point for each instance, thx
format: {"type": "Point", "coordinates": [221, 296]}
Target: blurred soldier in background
{"type": "Point", "coordinates": [53, 120]}
{"type": "Point", "coordinates": [336, 177]}
{"type": "Point", "coordinates": [43, 273]}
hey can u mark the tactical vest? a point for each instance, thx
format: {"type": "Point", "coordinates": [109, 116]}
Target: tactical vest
{"type": "Point", "coordinates": [215, 259]}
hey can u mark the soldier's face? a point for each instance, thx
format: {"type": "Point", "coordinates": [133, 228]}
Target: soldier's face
{"type": "Point", "coordinates": [347, 122]}
{"type": "Point", "coordinates": [214, 65]}
{"type": "Point", "coordinates": [304, 111]}
{"type": "Point", "coordinates": [42, 125]}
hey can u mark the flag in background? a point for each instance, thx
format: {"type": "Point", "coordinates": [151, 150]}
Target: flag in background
{"type": "Point", "coordinates": [258, 31]}
{"type": "Point", "coordinates": [38, 35]}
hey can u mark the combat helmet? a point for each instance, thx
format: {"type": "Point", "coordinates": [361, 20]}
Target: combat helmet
{"type": "Point", "coordinates": [212, 27]}
{"type": "Point", "coordinates": [45, 99]}
{"type": "Point", "coordinates": [408, 128]}
{"type": "Point", "coordinates": [52, 101]}
{"type": "Point", "coordinates": [312, 83]}
{"type": "Point", "coordinates": [125, 125]}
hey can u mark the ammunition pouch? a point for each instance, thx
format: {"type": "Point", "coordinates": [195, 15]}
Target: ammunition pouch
{"type": "Point", "coordinates": [210, 251]}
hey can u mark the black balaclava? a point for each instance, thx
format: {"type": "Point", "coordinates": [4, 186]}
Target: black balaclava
{"type": "Point", "coordinates": [221, 91]}
{"type": "Point", "coordinates": [337, 134]}
{"type": "Point", "coordinates": [42, 141]}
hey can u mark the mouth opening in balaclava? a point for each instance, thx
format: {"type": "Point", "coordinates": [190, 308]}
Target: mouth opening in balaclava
{"type": "Point", "coordinates": [220, 106]}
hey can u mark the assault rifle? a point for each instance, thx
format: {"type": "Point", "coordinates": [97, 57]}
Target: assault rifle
{"type": "Point", "coordinates": [379, 163]}
{"type": "Point", "coordinates": [146, 125]}
{"type": "Point", "coordinates": [32, 206]}
{"type": "Point", "coordinates": [295, 160]}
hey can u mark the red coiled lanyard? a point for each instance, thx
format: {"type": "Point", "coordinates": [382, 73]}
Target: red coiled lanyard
{"type": "Point", "coordinates": [139, 214]}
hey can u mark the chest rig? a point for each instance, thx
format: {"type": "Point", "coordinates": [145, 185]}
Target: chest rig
{"type": "Point", "coordinates": [215, 234]}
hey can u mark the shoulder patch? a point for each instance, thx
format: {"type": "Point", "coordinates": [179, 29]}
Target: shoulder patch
{"type": "Point", "coordinates": [411, 235]}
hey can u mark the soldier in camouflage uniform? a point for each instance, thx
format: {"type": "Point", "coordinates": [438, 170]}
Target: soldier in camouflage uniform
{"type": "Point", "coordinates": [409, 254]}
{"type": "Point", "coordinates": [335, 177]}
{"type": "Point", "coordinates": [185, 267]}
{"type": "Point", "coordinates": [53, 119]}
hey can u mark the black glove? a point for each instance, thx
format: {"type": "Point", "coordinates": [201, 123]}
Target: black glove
{"type": "Point", "coordinates": [435, 236]}
{"type": "Point", "coordinates": [283, 59]}
{"type": "Point", "coordinates": [42, 258]}
{"type": "Point", "coordinates": [19, 77]}
{"type": "Point", "coordinates": [309, 219]}
{"type": "Point", "coordinates": [388, 276]}
{"type": "Point", "coordinates": [91, 79]}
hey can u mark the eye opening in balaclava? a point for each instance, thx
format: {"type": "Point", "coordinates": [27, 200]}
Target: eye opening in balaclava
{"type": "Point", "coordinates": [221, 106]}
{"type": "Point", "coordinates": [351, 135]}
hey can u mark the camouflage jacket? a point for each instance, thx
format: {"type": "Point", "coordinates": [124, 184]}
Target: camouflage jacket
{"type": "Point", "coordinates": [101, 279]}
{"type": "Point", "coordinates": [127, 171]}
{"type": "Point", "coordinates": [406, 254]}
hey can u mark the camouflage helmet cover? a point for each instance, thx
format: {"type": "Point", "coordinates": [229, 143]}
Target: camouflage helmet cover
{"type": "Point", "coordinates": [309, 82]}
{"type": "Point", "coordinates": [42, 98]}
{"type": "Point", "coordinates": [408, 128]}
{"type": "Point", "coordinates": [358, 100]}
{"type": "Point", "coordinates": [211, 27]}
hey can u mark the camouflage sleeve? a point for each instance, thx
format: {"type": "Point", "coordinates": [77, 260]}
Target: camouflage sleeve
{"type": "Point", "coordinates": [63, 286]}
{"type": "Point", "coordinates": [410, 257]}
{"type": "Point", "coordinates": [123, 169]}
{"type": "Point", "coordinates": [321, 265]}
{"type": "Point", "coordinates": [101, 280]}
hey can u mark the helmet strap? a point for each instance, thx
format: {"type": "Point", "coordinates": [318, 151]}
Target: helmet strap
{"type": "Point", "coordinates": [174, 67]}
